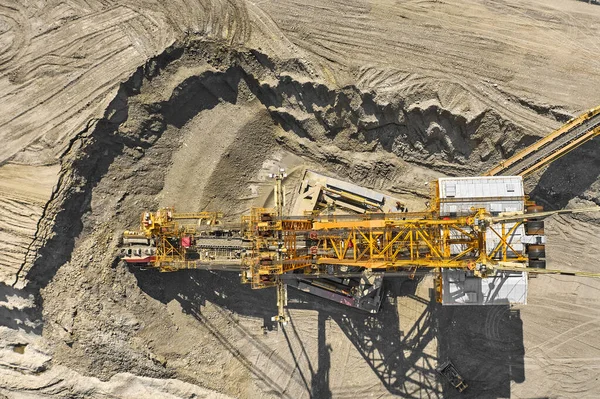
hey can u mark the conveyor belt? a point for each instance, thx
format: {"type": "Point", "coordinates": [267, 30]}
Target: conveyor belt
{"type": "Point", "coordinates": [570, 136]}
{"type": "Point", "coordinates": [220, 243]}
{"type": "Point", "coordinates": [548, 271]}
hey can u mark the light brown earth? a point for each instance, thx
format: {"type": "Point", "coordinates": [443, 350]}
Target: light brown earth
{"type": "Point", "coordinates": [109, 108]}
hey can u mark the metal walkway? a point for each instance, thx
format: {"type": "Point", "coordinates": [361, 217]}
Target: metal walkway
{"type": "Point", "coordinates": [570, 136]}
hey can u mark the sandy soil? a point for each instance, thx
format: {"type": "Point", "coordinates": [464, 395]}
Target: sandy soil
{"type": "Point", "coordinates": [114, 107]}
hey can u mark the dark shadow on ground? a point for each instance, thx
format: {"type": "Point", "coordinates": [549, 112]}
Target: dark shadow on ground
{"type": "Point", "coordinates": [194, 288]}
{"type": "Point", "coordinates": [318, 387]}
{"type": "Point", "coordinates": [394, 355]}
{"type": "Point", "coordinates": [568, 177]}
{"type": "Point", "coordinates": [485, 343]}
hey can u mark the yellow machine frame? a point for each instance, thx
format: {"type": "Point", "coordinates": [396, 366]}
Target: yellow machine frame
{"type": "Point", "coordinates": [378, 241]}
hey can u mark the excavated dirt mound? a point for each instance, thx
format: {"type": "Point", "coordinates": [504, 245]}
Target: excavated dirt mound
{"type": "Point", "coordinates": [345, 89]}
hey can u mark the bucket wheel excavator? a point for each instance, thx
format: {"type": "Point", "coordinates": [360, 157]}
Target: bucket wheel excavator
{"type": "Point", "coordinates": [480, 226]}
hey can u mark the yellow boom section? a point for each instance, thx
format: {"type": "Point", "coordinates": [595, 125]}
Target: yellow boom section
{"type": "Point", "coordinates": [570, 136]}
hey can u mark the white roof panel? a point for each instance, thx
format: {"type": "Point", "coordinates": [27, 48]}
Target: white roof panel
{"type": "Point", "coordinates": [460, 288]}
{"type": "Point", "coordinates": [458, 195]}
{"type": "Point", "coordinates": [481, 187]}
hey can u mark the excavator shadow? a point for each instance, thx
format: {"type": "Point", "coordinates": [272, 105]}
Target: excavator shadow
{"type": "Point", "coordinates": [402, 344]}
{"type": "Point", "coordinates": [400, 352]}
{"type": "Point", "coordinates": [194, 288]}
{"type": "Point", "coordinates": [412, 334]}
{"type": "Point", "coordinates": [485, 343]}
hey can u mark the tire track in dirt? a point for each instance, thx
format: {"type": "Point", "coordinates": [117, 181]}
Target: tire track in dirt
{"type": "Point", "coordinates": [345, 47]}
{"type": "Point", "coordinates": [14, 34]}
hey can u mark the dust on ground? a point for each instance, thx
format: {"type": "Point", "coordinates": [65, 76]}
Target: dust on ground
{"type": "Point", "coordinates": [142, 104]}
